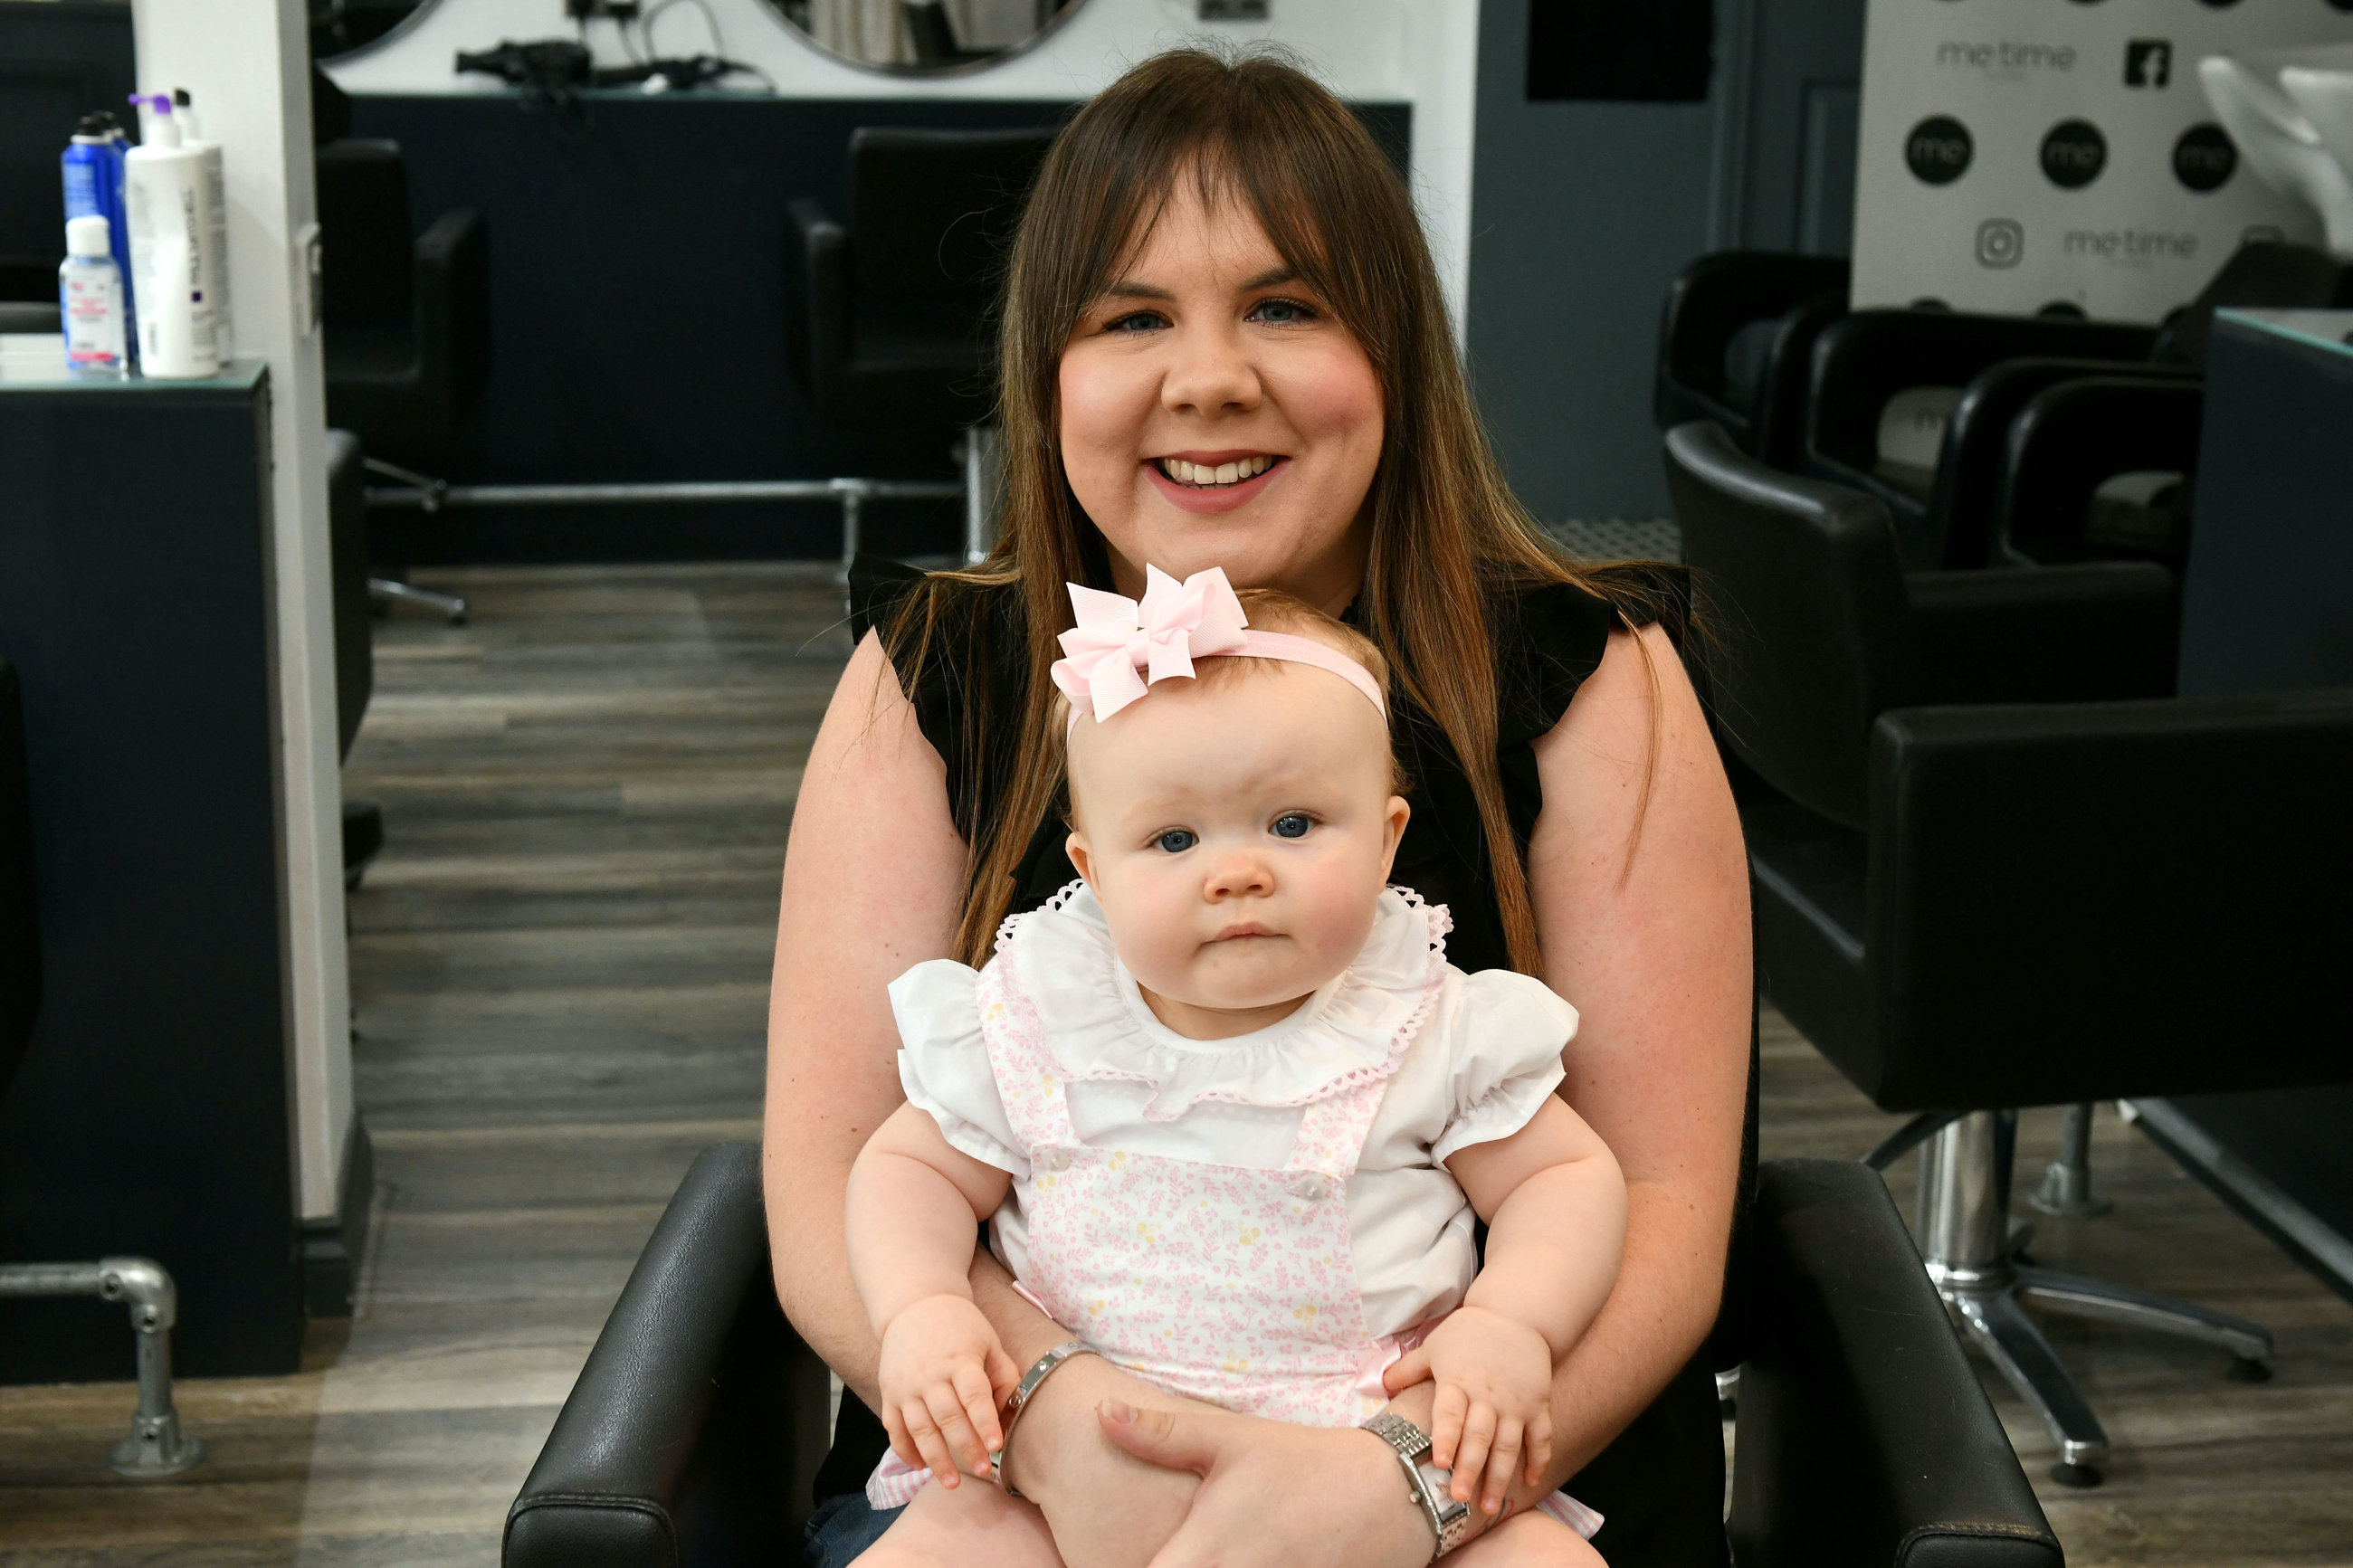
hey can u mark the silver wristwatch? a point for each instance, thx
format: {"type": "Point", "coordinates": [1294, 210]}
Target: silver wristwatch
{"type": "Point", "coordinates": [1450, 1520]}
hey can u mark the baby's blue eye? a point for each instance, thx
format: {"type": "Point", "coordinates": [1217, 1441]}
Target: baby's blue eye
{"type": "Point", "coordinates": [1293, 825]}
{"type": "Point", "coordinates": [1176, 840]}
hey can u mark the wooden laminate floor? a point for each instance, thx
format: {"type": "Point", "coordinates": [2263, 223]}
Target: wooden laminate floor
{"type": "Point", "coordinates": [560, 965]}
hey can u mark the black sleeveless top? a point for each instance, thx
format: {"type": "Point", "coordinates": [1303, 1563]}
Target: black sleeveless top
{"type": "Point", "coordinates": [1661, 1483]}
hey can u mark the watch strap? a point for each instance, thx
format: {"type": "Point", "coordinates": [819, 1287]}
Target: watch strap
{"type": "Point", "coordinates": [1019, 1401]}
{"type": "Point", "coordinates": [1450, 1521]}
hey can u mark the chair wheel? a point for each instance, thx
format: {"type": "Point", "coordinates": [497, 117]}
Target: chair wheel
{"type": "Point", "coordinates": [2246, 1369]}
{"type": "Point", "coordinates": [2076, 1475]}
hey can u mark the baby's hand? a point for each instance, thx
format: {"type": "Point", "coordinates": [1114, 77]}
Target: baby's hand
{"type": "Point", "coordinates": [1494, 1401]}
{"type": "Point", "coordinates": [944, 1373]}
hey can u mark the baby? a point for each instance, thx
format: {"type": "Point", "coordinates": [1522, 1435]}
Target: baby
{"type": "Point", "coordinates": [1226, 1107]}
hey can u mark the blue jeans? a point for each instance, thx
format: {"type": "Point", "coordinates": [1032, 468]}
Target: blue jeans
{"type": "Point", "coordinates": [843, 1527]}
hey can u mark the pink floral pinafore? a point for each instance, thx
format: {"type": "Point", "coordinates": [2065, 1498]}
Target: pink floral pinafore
{"type": "Point", "coordinates": [1228, 1284]}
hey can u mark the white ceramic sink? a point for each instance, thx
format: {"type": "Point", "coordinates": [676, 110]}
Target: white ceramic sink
{"type": "Point", "coordinates": [2278, 137]}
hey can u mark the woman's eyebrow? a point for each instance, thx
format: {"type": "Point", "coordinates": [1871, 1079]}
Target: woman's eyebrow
{"type": "Point", "coordinates": [1130, 288]}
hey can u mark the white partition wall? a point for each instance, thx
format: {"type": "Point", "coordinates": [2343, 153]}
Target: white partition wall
{"type": "Point", "coordinates": [246, 63]}
{"type": "Point", "coordinates": [1421, 52]}
{"type": "Point", "coordinates": [2022, 154]}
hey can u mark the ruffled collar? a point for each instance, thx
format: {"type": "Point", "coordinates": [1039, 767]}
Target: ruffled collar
{"type": "Point", "coordinates": [1352, 1031]}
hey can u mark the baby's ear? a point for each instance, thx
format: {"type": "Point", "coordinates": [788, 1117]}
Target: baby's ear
{"type": "Point", "coordinates": [1075, 845]}
{"type": "Point", "coordinates": [1399, 813]}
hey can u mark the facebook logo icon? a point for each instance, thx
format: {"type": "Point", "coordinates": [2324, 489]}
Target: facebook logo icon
{"type": "Point", "coordinates": [2148, 62]}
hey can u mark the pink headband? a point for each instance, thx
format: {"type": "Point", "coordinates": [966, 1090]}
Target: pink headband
{"type": "Point", "coordinates": [1120, 647]}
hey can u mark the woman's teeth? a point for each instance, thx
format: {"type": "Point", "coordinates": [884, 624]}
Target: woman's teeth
{"type": "Point", "coordinates": [1203, 475]}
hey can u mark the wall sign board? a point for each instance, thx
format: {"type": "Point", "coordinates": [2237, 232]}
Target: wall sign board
{"type": "Point", "coordinates": [2019, 156]}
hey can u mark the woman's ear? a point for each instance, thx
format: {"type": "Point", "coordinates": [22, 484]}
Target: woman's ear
{"type": "Point", "coordinates": [1399, 813]}
{"type": "Point", "coordinates": [1075, 845]}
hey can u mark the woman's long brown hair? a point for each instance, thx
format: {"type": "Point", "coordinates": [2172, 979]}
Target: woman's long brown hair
{"type": "Point", "coordinates": [1449, 542]}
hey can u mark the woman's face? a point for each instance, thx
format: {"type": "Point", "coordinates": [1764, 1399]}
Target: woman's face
{"type": "Point", "coordinates": [1216, 413]}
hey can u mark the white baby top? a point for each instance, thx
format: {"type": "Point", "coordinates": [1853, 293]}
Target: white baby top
{"type": "Point", "coordinates": [1474, 1069]}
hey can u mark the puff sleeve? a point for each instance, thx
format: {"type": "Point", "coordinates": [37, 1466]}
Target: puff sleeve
{"type": "Point", "coordinates": [944, 1063]}
{"type": "Point", "coordinates": [1506, 1037]}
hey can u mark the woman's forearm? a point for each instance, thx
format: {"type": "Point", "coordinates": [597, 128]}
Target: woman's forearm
{"type": "Point", "coordinates": [1665, 1304]}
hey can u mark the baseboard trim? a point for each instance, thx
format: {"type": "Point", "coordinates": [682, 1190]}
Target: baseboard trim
{"type": "Point", "coordinates": [331, 1248]}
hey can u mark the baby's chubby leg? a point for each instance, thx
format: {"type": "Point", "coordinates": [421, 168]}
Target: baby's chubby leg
{"type": "Point", "coordinates": [1528, 1539]}
{"type": "Point", "coordinates": [974, 1526]}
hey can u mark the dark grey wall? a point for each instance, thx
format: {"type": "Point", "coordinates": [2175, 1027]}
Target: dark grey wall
{"type": "Point", "coordinates": [1580, 214]}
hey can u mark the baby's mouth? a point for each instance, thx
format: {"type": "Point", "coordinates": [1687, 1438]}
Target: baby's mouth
{"type": "Point", "coordinates": [1211, 477]}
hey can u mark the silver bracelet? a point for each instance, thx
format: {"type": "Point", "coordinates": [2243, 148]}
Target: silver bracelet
{"type": "Point", "coordinates": [1450, 1521]}
{"type": "Point", "coordinates": [1039, 1371]}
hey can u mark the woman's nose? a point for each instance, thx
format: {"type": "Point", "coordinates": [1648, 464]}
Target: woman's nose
{"type": "Point", "coordinates": [1211, 374]}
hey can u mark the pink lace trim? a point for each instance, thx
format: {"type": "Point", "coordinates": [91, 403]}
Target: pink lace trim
{"type": "Point", "coordinates": [1438, 921]}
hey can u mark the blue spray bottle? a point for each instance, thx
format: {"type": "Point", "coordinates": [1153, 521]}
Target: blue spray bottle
{"type": "Point", "coordinates": [93, 180]}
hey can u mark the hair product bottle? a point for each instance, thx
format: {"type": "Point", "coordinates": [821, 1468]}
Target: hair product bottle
{"type": "Point", "coordinates": [94, 180]}
{"type": "Point", "coordinates": [164, 191]}
{"type": "Point", "coordinates": [213, 255]}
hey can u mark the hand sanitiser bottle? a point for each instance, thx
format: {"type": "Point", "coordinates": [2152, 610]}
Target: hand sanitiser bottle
{"type": "Point", "coordinates": [89, 297]}
{"type": "Point", "coordinates": [164, 189]}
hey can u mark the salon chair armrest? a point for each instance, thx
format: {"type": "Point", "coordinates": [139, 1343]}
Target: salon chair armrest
{"type": "Point", "coordinates": [2093, 632]}
{"type": "Point", "coordinates": [2073, 437]}
{"type": "Point", "coordinates": [1970, 466]}
{"type": "Point", "coordinates": [1872, 355]}
{"type": "Point", "coordinates": [697, 1423]}
{"type": "Point", "coordinates": [817, 313]}
{"type": "Point", "coordinates": [1863, 1435]}
{"type": "Point", "coordinates": [453, 307]}
{"type": "Point", "coordinates": [1713, 298]}
{"type": "Point", "coordinates": [2158, 883]}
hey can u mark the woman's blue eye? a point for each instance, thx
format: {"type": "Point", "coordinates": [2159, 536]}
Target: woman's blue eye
{"type": "Point", "coordinates": [1282, 312]}
{"type": "Point", "coordinates": [1176, 840]}
{"type": "Point", "coordinates": [1136, 322]}
{"type": "Point", "coordinates": [1293, 825]}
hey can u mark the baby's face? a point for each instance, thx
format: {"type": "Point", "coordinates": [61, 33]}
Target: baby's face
{"type": "Point", "coordinates": [1237, 838]}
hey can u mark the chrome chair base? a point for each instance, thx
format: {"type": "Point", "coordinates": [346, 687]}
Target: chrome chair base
{"type": "Point", "coordinates": [393, 591]}
{"type": "Point", "coordinates": [1964, 1239]}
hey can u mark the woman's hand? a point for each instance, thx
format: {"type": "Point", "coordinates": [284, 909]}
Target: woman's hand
{"type": "Point", "coordinates": [1272, 1494]}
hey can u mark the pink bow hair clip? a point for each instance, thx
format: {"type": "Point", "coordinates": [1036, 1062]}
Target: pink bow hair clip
{"type": "Point", "coordinates": [1120, 646]}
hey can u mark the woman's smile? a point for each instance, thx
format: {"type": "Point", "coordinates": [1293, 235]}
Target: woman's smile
{"type": "Point", "coordinates": [1215, 481]}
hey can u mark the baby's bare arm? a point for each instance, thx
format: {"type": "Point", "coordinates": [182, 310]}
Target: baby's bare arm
{"type": "Point", "coordinates": [1555, 1211]}
{"type": "Point", "coordinates": [913, 1200]}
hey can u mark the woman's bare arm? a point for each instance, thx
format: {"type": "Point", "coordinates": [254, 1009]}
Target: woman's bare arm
{"type": "Point", "coordinates": [873, 875]}
{"type": "Point", "coordinates": [1653, 950]}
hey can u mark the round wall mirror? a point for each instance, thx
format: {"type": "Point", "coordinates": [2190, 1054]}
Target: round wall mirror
{"type": "Point", "coordinates": [924, 38]}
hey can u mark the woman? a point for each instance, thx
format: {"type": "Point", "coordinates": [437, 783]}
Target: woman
{"type": "Point", "coordinates": [1224, 345]}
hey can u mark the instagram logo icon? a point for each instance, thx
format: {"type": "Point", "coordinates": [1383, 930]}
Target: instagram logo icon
{"type": "Point", "coordinates": [2000, 242]}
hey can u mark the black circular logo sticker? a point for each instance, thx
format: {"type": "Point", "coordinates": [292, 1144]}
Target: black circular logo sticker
{"type": "Point", "coordinates": [2204, 158]}
{"type": "Point", "coordinates": [1938, 149]}
{"type": "Point", "coordinates": [2075, 153]}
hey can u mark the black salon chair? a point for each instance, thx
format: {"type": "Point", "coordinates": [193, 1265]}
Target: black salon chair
{"type": "Point", "coordinates": [1735, 344]}
{"type": "Point", "coordinates": [933, 36]}
{"type": "Point", "coordinates": [887, 317]}
{"type": "Point", "coordinates": [695, 1430]}
{"type": "Point", "coordinates": [1920, 409]}
{"type": "Point", "coordinates": [1988, 871]}
{"type": "Point", "coordinates": [156, 1446]}
{"type": "Point", "coordinates": [406, 321]}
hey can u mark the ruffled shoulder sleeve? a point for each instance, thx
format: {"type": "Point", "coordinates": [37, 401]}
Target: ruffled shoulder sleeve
{"type": "Point", "coordinates": [944, 1062]}
{"type": "Point", "coordinates": [1505, 1035]}
{"type": "Point", "coordinates": [1550, 638]}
